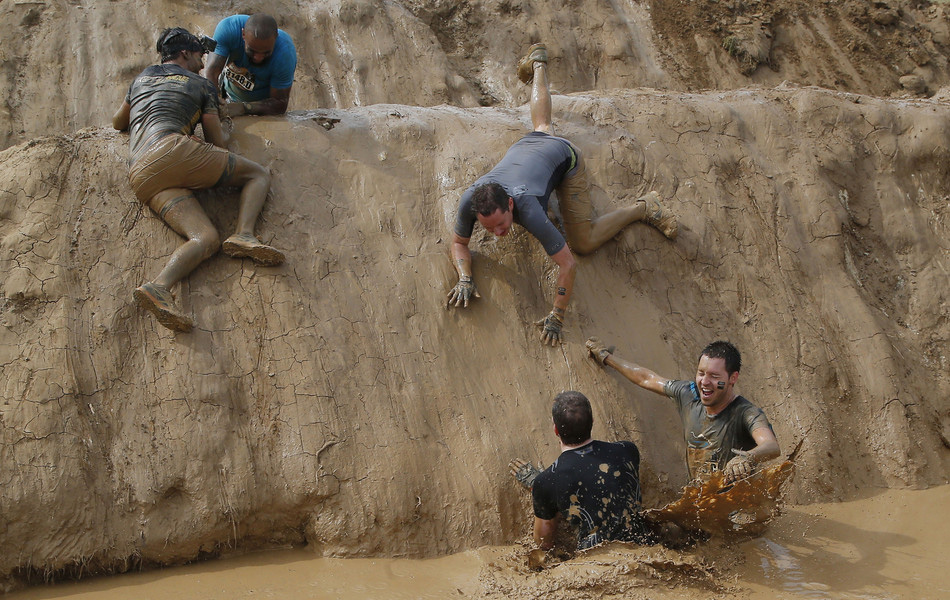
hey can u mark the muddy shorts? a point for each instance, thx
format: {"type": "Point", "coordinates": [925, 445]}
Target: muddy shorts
{"type": "Point", "coordinates": [574, 193]}
{"type": "Point", "coordinates": [167, 171]}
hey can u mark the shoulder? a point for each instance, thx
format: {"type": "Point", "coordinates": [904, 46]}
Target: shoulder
{"type": "Point", "coordinates": [229, 29]}
{"type": "Point", "coordinates": [748, 410]}
{"type": "Point", "coordinates": [285, 42]}
{"type": "Point", "coordinates": [680, 388]}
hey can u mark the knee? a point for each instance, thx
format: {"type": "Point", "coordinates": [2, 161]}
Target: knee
{"type": "Point", "coordinates": [580, 241]}
{"type": "Point", "coordinates": [208, 240]}
{"type": "Point", "coordinates": [583, 247]}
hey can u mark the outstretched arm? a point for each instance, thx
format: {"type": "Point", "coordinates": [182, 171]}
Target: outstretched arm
{"type": "Point", "coordinates": [641, 376]}
{"type": "Point", "coordinates": [462, 259]}
{"type": "Point", "coordinates": [567, 269]}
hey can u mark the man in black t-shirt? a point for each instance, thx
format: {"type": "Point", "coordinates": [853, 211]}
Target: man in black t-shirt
{"type": "Point", "coordinates": [723, 431]}
{"type": "Point", "coordinates": [166, 162]}
{"type": "Point", "coordinates": [593, 485]}
{"type": "Point", "coordinates": [517, 190]}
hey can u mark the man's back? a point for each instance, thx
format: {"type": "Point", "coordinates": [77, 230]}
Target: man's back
{"type": "Point", "coordinates": [167, 98]}
{"type": "Point", "coordinates": [597, 488]}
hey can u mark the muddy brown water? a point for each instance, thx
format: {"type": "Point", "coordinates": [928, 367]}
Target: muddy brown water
{"type": "Point", "coordinates": [892, 544]}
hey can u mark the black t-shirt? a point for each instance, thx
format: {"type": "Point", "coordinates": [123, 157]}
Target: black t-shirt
{"type": "Point", "coordinates": [529, 172]}
{"type": "Point", "coordinates": [710, 440]}
{"type": "Point", "coordinates": [596, 488]}
{"type": "Point", "coordinates": [167, 98]}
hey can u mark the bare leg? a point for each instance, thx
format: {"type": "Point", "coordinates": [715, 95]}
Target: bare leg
{"type": "Point", "coordinates": [189, 220]}
{"type": "Point", "coordinates": [587, 236]}
{"type": "Point", "coordinates": [541, 100]}
{"type": "Point", "coordinates": [255, 180]}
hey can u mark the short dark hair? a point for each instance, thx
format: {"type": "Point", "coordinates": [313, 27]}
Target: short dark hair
{"type": "Point", "coordinates": [726, 351]}
{"type": "Point", "coordinates": [261, 26]}
{"type": "Point", "coordinates": [173, 40]}
{"type": "Point", "coordinates": [572, 417]}
{"type": "Point", "coordinates": [488, 197]}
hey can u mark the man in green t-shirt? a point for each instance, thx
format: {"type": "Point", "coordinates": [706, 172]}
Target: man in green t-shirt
{"type": "Point", "coordinates": [723, 431]}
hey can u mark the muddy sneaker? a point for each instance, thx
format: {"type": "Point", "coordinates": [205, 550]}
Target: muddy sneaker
{"type": "Point", "coordinates": [660, 217]}
{"type": "Point", "coordinates": [536, 53]}
{"type": "Point", "coordinates": [160, 302]}
{"type": "Point", "coordinates": [240, 245]}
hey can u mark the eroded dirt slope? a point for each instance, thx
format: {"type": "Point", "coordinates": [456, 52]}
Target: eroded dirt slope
{"type": "Point", "coordinates": [66, 64]}
{"type": "Point", "coordinates": [335, 400]}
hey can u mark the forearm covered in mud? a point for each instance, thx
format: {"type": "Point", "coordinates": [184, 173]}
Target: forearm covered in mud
{"type": "Point", "coordinates": [461, 256]}
{"type": "Point", "coordinates": [567, 270]}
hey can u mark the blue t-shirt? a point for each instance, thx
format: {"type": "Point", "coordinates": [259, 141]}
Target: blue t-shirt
{"type": "Point", "coordinates": [247, 82]}
{"type": "Point", "coordinates": [529, 172]}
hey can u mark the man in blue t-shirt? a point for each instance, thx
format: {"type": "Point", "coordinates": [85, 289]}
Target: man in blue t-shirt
{"type": "Point", "coordinates": [517, 190]}
{"type": "Point", "coordinates": [257, 60]}
{"type": "Point", "coordinates": [723, 431]}
{"type": "Point", "coordinates": [594, 486]}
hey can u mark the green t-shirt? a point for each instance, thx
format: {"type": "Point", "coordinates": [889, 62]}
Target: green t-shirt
{"type": "Point", "coordinates": [710, 440]}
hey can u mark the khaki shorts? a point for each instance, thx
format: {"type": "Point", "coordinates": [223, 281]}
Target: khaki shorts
{"type": "Point", "coordinates": [173, 166]}
{"type": "Point", "coordinates": [573, 194]}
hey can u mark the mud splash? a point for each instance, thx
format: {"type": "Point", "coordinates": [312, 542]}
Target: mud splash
{"type": "Point", "coordinates": [714, 507]}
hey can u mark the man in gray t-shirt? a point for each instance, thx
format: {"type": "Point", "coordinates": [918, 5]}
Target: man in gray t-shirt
{"type": "Point", "coordinates": [517, 190]}
{"type": "Point", "coordinates": [723, 430]}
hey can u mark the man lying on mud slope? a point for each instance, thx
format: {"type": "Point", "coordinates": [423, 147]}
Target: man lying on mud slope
{"type": "Point", "coordinates": [517, 190]}
{"type": "Point", "coordinates": [723, 431]}
{"type": "Point", "coordinates": [167, 162]}
{"type": "Point", "coordinates": [593, 485]}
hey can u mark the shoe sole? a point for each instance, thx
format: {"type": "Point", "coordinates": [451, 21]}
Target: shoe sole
{"type": "Point", "coordinates": [262, 255]}
{"type": "Point", "coordinates": [526, 64]}
{"type": "Point", "coordinates": [169, 319]}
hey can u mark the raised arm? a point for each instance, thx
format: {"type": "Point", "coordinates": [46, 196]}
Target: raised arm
{"type": "Point", "coordinates": [641, 376]}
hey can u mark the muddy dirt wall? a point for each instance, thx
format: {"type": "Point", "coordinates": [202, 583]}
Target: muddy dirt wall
{"type": "Point", "coordinates": [334, 400]}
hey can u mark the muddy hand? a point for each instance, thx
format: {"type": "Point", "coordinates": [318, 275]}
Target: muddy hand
{"type": "Point", "coordinates": [524, 472]}
{"type": "Point", "coordinates": [598, 350]}
{"type": "Point", "coordinates": [551, 329]}
{"type": "Point", "coordinates": [460, 294]}
{"type": "Point", "coordinates": [739, 467]}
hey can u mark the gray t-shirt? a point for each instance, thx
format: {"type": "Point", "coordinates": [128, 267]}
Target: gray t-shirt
{"type": "Point", "coordinates": [710, 440]}
{"type": "Point", "coordinates": [167, 98]}
{"type": "Point", "coordinates": [529, 172]}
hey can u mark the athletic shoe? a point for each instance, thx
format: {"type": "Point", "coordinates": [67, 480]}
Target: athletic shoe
{"type": "Point", "coordinates": [160, 302]}
{"type": "Point", "coordinates": [240, 245]}
{"type": "Point", "coordinates": [536, 53]}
